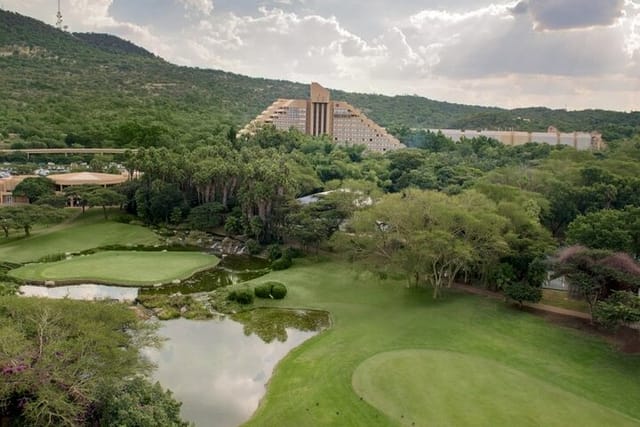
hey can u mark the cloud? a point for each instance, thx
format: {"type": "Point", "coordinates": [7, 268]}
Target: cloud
{"type": "Point", "coordinates": [205, 7]}
{"type": "Point", "coordinates": [493, 52]}
{"type": "Point", "coordinates": [565, 14]}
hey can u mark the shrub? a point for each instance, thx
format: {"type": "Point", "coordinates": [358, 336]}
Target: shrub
{"type": "Point", "coordinates": [263, 290]}
{"type": "Point", "coordinates": [253, 246]}
{"type": "Point", "coordinates": [272, 289]}
{"type": "Point", "coordinates": [293, 253]}
{"type": "Point", "coordinates": [522, 292]}
{"type": "Point", "coordinates": [53, 257]}
{"type": "Point", "coordinates": [282, 263]}
{"type": "Point", "coordinates": [242, 295]}
{"type": "Point", "coordinates": [278, 290]}
{"type": "Point", "coordinates": [275, 252]}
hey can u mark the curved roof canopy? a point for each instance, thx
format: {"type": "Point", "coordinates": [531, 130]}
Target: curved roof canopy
{"type": "Point", "coordinates": [87, 178]}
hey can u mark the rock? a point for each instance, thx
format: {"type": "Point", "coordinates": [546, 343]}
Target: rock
{"type": "Point", "coordinates": [183, 310]}
{"type": "Point", "coordinates": [175, 282]}
{"type": "Point", "coordinates": [49, 283]}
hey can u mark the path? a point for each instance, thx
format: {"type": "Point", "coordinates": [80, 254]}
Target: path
{"type": "Point", "coordinates": [541, 307]}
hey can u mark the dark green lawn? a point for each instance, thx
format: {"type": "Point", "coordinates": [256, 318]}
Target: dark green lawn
{"type": "Point", "coordinates": [481, 345]}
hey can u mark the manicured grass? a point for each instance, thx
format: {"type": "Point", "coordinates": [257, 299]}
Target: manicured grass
{"type": "Point", "coordinates": [86, 231]}
{"type": "Point", "coordinates": [449, 388]}
{"type": "Point", "coordinates": [561, 299]}
{"type": "Point", "coordinates": [119, 268]}
{"type": "Point", "coordinates": [510, 348]}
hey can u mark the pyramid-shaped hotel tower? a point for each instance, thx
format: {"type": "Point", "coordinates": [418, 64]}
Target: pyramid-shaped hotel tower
{"type": "Point", "coordinates": [319, 115]}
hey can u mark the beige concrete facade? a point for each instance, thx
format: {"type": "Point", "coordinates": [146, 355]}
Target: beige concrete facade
{"type": "Point", "coordinates": [577, 140]}
{"type": "Point", "coordinates": [319, 115]}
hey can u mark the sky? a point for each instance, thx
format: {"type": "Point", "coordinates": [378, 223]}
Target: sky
{"type": "Point", "coordinates": [572, 54]}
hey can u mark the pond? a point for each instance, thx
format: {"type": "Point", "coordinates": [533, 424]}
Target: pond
{"type": "Point", "coordinates": [219, 368]}
{"type": "Point", "coordinates": [232, 269]}
{"type": "Point", "coordinates": [81, 292]}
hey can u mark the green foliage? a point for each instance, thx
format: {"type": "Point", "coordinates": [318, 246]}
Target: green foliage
{"type": "Point", "coordinates": [137, 402]}
{"type": "Point", "coordinates": [47, 378]}
{"type": "Point", "coordinates": [243, 295]}
{"type": "Point", "coordinates": [263, 290]}
{"type": "Point", "coordinates": [35, 188]}
{"type": "Point", "coordinates": [26, 216]}
{"type": "Point", "coordinates": [620, 308]}
{"type": "Point", "coordinates": [274, 251]}
{"type": "Point", "coordinates": [253, 247]}
{"type": "Point", "coordinates": [206, 217]}
{"type": "Point", "coordinates": [615, 230]}
{"type": "Point", "coordinates": [522, 292]}
{"type": "Point", "coordinates": [53, 257]}
{"type": "Point", "coordinates": [282, 263]}
{"type": "Point", "coordinates": [271, 289]}
{"type": "Point", "coordinates": [278, 290]}
{"type": "Point", "coordinates": [233, 225]}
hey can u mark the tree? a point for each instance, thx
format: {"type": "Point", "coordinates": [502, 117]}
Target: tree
{"type": "Point", "coordinates": [58, 356]}
{"type": "Point", "coordinates": [523, 292]}
{"type": "Point", "coordinates": [35, 188]}
{"type": "Point", "coordinates": [26, 216]}
{"type": "Point", "coordinates": [620, 308]}
{"type": "Point", "coordinates": [206, 217]}
{"type": "Point", "coordinates": [615, 230]}
{"type": "Point", "coordinates": [104, 197]}
{"type": "Point", "coordinates": [137, 402]}
{"type": "Point", "coordinates": [597, 273]}
{"type": "Point", "coordinates": [429, 236]}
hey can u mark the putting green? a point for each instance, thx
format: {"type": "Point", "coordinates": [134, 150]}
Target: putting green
{"type": "Point", "coordinates": [119, 268]}
{"type": "Point", "coordinates": [443, 388]}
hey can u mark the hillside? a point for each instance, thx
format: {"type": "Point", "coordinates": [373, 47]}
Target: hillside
{"type": "Point", "coordinates": [94, 90]}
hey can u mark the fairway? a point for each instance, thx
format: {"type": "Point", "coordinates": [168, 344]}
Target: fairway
{"type": "Point", "coordinates": [443, 388]}
{"type": "Point", "coordinates": [394, 356]}
{"type": "Point", "coordinates": [119, 268]}
{"type": "Point", "coordinates": [86, 231]}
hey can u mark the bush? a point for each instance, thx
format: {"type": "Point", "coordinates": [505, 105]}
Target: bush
{"type": "Point", "coordinates": [263, 290]}
{"type": "Point", "coordinates": [293, 253]}
{"type": "Point", "coordinates": [272, 289]}
{"type": "Point", "coordinates": [522, 292]}
{"type": "Point", "coordinates": [282, 263]}
{"type": "Point", "coordinates": [242, 295]}
{"type": "Point", "coordinates": [275, 252]}
{"type": "Point", "coordinates": [278, 290]}
{"type": "Point", "coordinates": [53, 257]}
{"type": "Point", "coordinates": [253, 247]}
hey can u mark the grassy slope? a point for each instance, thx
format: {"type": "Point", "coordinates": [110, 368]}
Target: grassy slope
{"type": "Point", "coordinates": [313, 384]}
{"type": "Point", "coordinates": [456, 389]}
{"type": "Point", "coordinates": [120, 267]}
{"type": "Point", "coordinates": [86, 231]}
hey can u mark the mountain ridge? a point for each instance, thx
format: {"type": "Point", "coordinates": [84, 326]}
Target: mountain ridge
{"type": "Point", "coordinates": [98, 87]}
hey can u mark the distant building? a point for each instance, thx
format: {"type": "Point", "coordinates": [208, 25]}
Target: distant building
{"type": "Point", "coordinates": [318, 115]}
{"type": "Point", "coordinates": [62, 181]}
{"type": "Point", "coordinates": [577, 140]}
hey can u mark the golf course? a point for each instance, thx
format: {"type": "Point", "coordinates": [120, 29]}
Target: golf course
{"type": "Point", "coordinates": [125, 268]}
{"type": "Point", "coordinates": [393, 355]}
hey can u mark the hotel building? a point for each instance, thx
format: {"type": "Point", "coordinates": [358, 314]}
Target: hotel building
{"type": "Point", "coordinates": [319, 115]}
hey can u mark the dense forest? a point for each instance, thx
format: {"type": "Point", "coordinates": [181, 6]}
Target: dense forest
{"type": "Point", "coordinates": [62, 88]}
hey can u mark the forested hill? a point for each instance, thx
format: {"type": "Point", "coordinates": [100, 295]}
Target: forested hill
{"type": "Point", "coordinates": [113, 44]}
{"type": "Point", "coordinates": [91, 89]}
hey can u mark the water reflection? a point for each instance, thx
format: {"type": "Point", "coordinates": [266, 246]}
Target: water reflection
{"type": "Point", "coordinates": [270, 324]}
{"type": "Point", "coordinates": [216, 369]}
{"type": "Point", "coordinates": [81, 292]}
{"type": "Point", "coordinates": [231, 270]}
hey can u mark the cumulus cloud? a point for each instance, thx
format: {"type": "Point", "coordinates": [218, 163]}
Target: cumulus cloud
{"type": "Point", "coordinates": [505, 52]}
{"type": "Point", "coordinates": [205, 7]}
